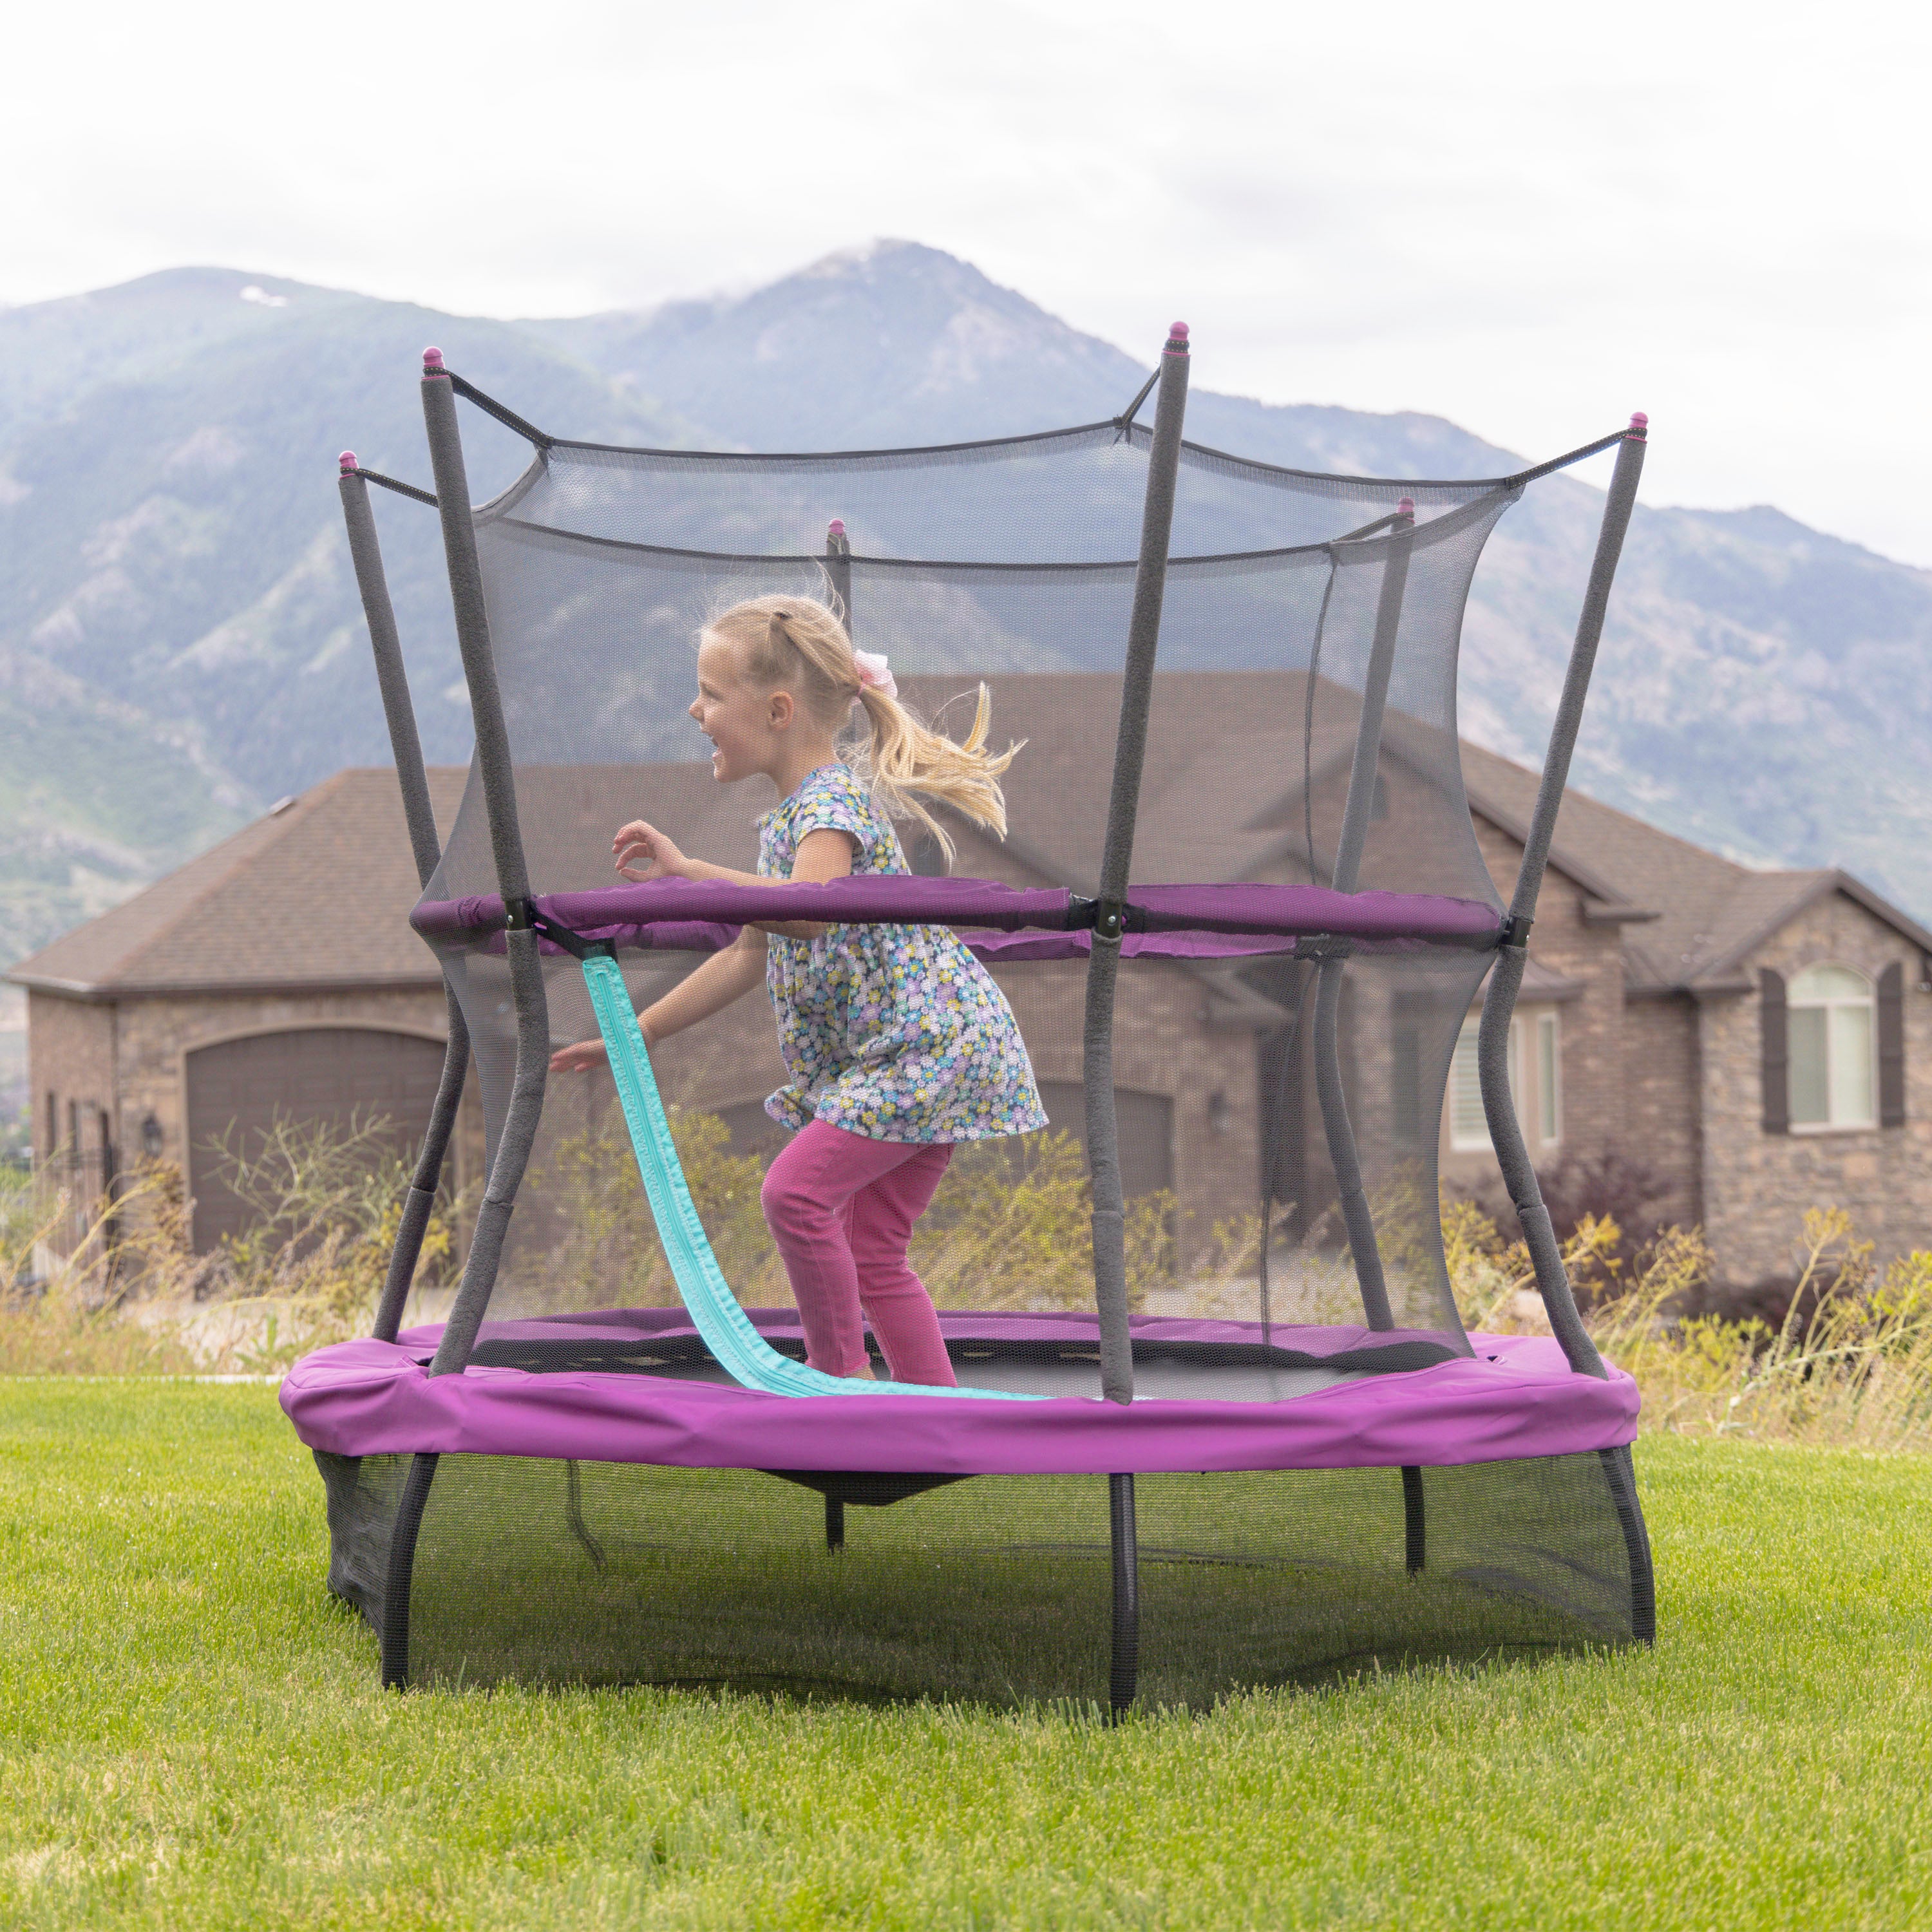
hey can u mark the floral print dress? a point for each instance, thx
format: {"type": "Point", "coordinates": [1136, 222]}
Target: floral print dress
{"type": "Point", "coordinates": [894, 1032]}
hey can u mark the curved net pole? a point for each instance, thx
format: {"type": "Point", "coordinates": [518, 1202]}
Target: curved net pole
{"type": "Point", "coordinates": [1552, 1279]}
{"type": "Point", "coordinates": [1103, 1140]}
{"type": "Point", "coordinates": [500, 799]}
{"type": "Point", "coordinates": [366, 554]}
{"type": "Point", "coordinates": [1356, 1217]}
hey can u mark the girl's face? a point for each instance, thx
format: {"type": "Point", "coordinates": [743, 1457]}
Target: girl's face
{"type": "Point", "coordinates": [746, 726]}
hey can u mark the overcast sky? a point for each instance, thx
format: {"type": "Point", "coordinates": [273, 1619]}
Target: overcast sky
{"type": "Point", "coordinates": [1530, 218]}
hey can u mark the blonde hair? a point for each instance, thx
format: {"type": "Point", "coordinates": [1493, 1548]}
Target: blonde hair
{"type": "Point", "coordinates": [800, 643]}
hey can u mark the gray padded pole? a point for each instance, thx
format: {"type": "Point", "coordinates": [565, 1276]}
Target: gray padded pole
{"type": "Point", "coordinates": [1351, 1193]}
{"type": "Point", "coordinates": [1356, 1217]}
{"type": "Point", "coordinates": [1124, 1657]}
{"type": "Point", "coordinates": [420, 1202]}
{"type": "Point", "coordinates": [366, 554]}
{"type": "Point", "coordinates": [839, 568]}
{"type": "Point", "coordinates": [500, 798]}
{"type": "Point", "coordinates": [1103, 1139]}
{"type": "Point", "coordinates": [1618, 504]}
{"type": "Point", "coordinates": [1506, 980]}
{"type": "Point", "coordinates": [1360, 809]}
{"type": "Point", "coordinates": [473, 632]}
{"type": "Point", "coordinates": [392, 679]}
{"type": "Point", "coordinates": [513, 1154]}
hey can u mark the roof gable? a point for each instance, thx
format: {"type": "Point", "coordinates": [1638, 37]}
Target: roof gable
{"type": "Point", "coordinates": [1710, 913]}
{"type": "Point", "coordinates": [317, 893]}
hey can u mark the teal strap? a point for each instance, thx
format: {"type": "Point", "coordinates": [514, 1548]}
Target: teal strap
{"type": "Point", "coordinates": [726, 1329]}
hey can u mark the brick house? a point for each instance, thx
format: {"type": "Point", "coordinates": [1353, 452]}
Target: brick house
{"type": "Point", "coordinates": [275, 972]}
{"type": "Point", "coordinates": [1762, 1041]}
{"type": "Point", "coordinates": [1759, 1039]}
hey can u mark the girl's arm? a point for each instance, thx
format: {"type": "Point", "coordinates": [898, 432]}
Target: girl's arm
{"type": "Point", "coordinates": [643, 852]}
{"type": "Point", "coordinates": [725, 977]}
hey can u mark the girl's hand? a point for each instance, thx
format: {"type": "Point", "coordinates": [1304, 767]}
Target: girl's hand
{"type": "Point", "coordinates": [643, 852]}
{"type": "Point", "coordinates": [579, 1058]}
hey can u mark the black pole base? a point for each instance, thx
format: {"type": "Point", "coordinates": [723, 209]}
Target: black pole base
{"type": "Point", "coordinates": [402, 1564]}
{"type": "Point", "coordinates": [1620, 1472]}
{"type": "Point", "coordinates": [1415, 1525]}
{"type": "Point", "coordinates": [835, 1523]}
{"type": "Point", "coordinates": [1124, 1673]}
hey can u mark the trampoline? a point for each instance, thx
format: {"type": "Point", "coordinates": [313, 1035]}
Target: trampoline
{"type": "Point", "coordinates": [1218, 1422]}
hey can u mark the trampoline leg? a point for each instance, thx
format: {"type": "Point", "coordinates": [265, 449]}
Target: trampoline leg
{"type": "Point", "coordinates": [1620, 1471]}
{"type": "Point", "coordinates": [402, 1564]}
{"type": "Point", "coordinates": [1124, 1673]}
{"type": "Point", "coordinates": [1358, 1217]}
{"type": "Point", "coordinates": [573, 1515]}
{"type": "Point", "coordinates": [1415, 1525]}
{"type": "Point", "coordinates": [835, 1523]}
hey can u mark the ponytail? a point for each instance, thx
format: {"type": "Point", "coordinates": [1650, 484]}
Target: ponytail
{"type": "Point", "coordinates": [905, 761]}
{"type": "Point", "coordinates": [905, 758]}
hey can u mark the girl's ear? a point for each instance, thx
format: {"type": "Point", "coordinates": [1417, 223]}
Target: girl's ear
{"type": "Point", "coordinates": [781, 708]}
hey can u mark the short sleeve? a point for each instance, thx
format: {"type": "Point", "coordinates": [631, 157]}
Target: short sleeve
{"type": "Point", "coordinates": [832, 802]}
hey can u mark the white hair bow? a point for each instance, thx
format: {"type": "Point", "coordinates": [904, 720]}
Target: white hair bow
{"type": "Point", "coordinates": [874, 672]}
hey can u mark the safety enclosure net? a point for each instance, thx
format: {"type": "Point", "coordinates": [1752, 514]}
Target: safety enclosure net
{"type": "Point", "coordinates": [601, 568]}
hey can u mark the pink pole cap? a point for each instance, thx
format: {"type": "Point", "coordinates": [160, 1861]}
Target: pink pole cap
{"type": "Point", "coordinates": [836, 528]}
{"type": "Point", "coordinates": [432, 361]}
{"type": "Point", "coordinates": [1406, 508]}
{"type": "Point", "coordinates": [1639, 421]}
{"type": "Point", "coordinates": [1179, 331]}
{"type": "Point", "coordinates": [347, 460]}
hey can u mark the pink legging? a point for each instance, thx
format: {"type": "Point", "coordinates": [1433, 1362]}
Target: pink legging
{"type": "Point", "coordinates": [841, 1209]}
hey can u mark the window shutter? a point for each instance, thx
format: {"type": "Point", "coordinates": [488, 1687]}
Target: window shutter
{"type": "Point", "coordinates": [1891, 1046]}
{"type": "Point", "coordinates": [1777, 1052]}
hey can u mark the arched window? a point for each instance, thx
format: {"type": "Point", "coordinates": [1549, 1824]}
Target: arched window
{"type": "Point", "coordinates": [1833, 1044]}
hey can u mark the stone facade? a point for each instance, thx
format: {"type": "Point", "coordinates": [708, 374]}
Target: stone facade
{"type": "Point", "coordinates": [1664, 1123]}
{"type": "Point", "coordinates": [71, 1053]}
{"type": "Point", "coordinates": [1756, 1185]}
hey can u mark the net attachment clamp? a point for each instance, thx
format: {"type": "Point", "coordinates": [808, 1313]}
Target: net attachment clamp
{"type": "Point", "coordinates": [1106, 919]}
{"type": "Point", "coordinates": [1515, 933]}
{"type": "Point", "coordinates": [1320, 946]}
{"type": "Point", "coordinates": [525, 916]}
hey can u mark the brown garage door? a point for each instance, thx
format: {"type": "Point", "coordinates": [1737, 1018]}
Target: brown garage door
{"type": "Point", "coordinates": [335, 1074]}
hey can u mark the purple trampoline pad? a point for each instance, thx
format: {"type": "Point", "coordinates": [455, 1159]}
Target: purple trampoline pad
{"type": "Point", "coordinates": [635, 1386]}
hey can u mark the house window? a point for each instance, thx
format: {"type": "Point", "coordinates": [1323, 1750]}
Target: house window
{"type": "Point", "coordinates": [1549, 1082]}
{"type": "Point", "coordinates": [1535, 1078]}
{"type": "Point", "coordinates": [1832, 1042]}
{"type": "Point", "coordinates": [1468, 1125]}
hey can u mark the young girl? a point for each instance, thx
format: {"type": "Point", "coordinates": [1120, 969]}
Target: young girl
{"type": "Point", "coordinates": [899, 1044]}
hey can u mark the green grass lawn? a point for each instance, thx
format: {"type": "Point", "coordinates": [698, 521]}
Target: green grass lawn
{"type": "Point", "coordinates": [191, 1736]}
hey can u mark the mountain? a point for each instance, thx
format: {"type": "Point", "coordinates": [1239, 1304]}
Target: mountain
{"type": "Point", "coordinates": [180, 641]}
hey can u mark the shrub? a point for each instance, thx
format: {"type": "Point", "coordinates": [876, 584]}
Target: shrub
{"type": "Point", "coordinates": [1849, 1362]}
{"type": "Point", "coordinates": [1597, 1191]}
{"type": "Point", "coordinates": [325, 1204]}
